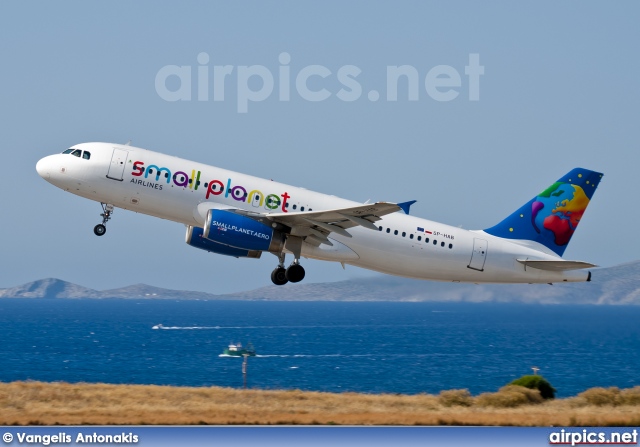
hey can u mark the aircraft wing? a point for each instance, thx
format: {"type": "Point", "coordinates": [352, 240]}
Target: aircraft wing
{"type": "Point", "coordinates": [556, 266]}
{"type": "Point", "coordinates": [315, 226]}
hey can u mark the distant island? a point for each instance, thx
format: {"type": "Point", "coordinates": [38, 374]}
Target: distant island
{"type": "Point", "coordinates": [613, 285]}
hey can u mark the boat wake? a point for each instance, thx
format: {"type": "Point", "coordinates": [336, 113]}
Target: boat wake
{"type": "Point", "coordinates": [298, 355]}
{"type": "Point", "coordinates": [187, 328]}
{"type": "Point", "coordinates": [313, 355]}
{"type": "Point", "coordinates": [184, 328]}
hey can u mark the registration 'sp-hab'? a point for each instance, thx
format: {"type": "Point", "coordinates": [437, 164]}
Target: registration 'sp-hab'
{"type": "Point", "coordinates": [239, 215]}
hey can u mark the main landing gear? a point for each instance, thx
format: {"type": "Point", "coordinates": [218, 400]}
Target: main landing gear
{"type": "Point", "coordinates": [281, 276]}
{"type": "Point", "coordinates": [107, 211]}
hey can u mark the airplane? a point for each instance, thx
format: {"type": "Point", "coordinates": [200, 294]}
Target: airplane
{"type": "Point", "coordinates": [243, 216]}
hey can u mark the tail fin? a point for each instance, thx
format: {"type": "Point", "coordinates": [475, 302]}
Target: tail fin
{"type": "Point", "coordinates": [552, 216]}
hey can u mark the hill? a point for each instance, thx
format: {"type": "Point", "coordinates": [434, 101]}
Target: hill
{"type": "Point", "coordinates": [612, 285]}
{"type": "Point", "coordinates": [57, 288]}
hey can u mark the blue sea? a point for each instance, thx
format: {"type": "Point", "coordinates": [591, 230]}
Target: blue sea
{"type": "Point", "coordinates": [373, 347]}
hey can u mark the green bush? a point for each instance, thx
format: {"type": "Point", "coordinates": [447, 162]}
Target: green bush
{"type": "Point", "coordinates": [536, 383]}
{"type": "Point", "coordinates": [510, 396]}
{"type": "Point", "coordinates": [450, 398]}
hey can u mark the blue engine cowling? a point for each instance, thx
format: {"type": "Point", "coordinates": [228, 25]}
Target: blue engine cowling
{"type": "Point", "coordinates": [196, 239]}
{"type": "Point", "coordinates": [240, 231]}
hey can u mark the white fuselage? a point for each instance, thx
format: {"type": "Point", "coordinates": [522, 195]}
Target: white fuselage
{"type": "Point", "coordinates": [175, 190]}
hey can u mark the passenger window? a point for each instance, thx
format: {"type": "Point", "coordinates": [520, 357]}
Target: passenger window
{"type": "Point", "coordinates": [150, 171]}
{"type": "Point", "coordinates": [166, 175]}
{"type": "Point", "coordinates": [404, 233]}
{"type": "Point", "coordinates": [68, 151]}
{"type": "Point", "coordinates": [435, 242]}
{"type": "Point", "coordinates": [76, 153]}
{"type": "Point", "coordinates": [86, 155]}
{"type": "Point", "coordinates": [388, 230]}
{"type": "Point", "coordinates": [287, 205]}
{"type": "Point", "coordinates": [411, 236]}
{"type": "Point", "coordinates": [442, 244]}
{"type": "Point", "coordinates": [450, 245]}
{"type": "Point", "coordinates": [302, 208]}
{"type": "Point", "coordinates": [419, 238]}
{"type": "Point", "coordinates": [380, 228]}
{"type": "Point", "coordinates": [426, 240]}
{"type": "Point", "coordinates": [310, 209]}
{"type": "Point", "coordinates": [395, 232]}
{"type": "Point", "coordinates": [295, 206]}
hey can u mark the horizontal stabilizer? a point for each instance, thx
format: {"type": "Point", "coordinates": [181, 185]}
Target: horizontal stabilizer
{"type": "Point", "coordinates": [556, 266]}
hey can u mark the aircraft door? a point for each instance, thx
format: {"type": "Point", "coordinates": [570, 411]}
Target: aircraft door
{"type": "Point", "coordinates": [116, 167]}
{"type": "Point", "coordinates": [479, 254]}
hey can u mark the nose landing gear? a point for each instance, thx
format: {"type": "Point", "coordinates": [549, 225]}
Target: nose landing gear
{"type": "Point", "coordinates": [107, 211]}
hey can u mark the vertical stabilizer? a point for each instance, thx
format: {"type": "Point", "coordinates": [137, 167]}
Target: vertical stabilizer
{"type": "Point", "coordinates": [552, 216]}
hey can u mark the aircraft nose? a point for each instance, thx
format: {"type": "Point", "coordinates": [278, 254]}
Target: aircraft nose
{"type": "Point", "coordinates": [44, 167]}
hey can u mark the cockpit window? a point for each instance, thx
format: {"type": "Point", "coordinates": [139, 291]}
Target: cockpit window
{"type": "Point", "coordinates": [76, 153]}
{"type": "Point", "coordinates": [86, 155]}
{"type": "Point", "coordinates": [68, 151]}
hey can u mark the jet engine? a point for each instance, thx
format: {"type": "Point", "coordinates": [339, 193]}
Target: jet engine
{"type": "Point", "coordinates": [236, 230]}
{"type": "Point", "coordinates": [196, 239]}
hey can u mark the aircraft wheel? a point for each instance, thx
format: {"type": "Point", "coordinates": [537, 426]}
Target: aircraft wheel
{"type": "Point", "coordinates": [295, 273]}
{"type": "Point", "coordinates": [279, 277]}
{"type": "Point", "coordinates": [99, 230]}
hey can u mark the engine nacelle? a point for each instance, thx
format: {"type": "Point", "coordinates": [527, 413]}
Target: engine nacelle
{"type": "Point", "coordinates": [236, 230]}
{"type": "Point", "coordinates": [196, 239]}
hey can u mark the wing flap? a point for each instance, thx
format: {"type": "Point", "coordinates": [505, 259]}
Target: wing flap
{"type": "Point", "coordinates": [369, 211]}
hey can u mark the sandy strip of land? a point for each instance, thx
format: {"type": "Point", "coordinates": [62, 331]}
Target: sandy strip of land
{"type": "Point", "coordinates": [38, 403]}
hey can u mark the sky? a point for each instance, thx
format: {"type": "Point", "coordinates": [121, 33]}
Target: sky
{"type": "Point", "coordinates": [559, 89]}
